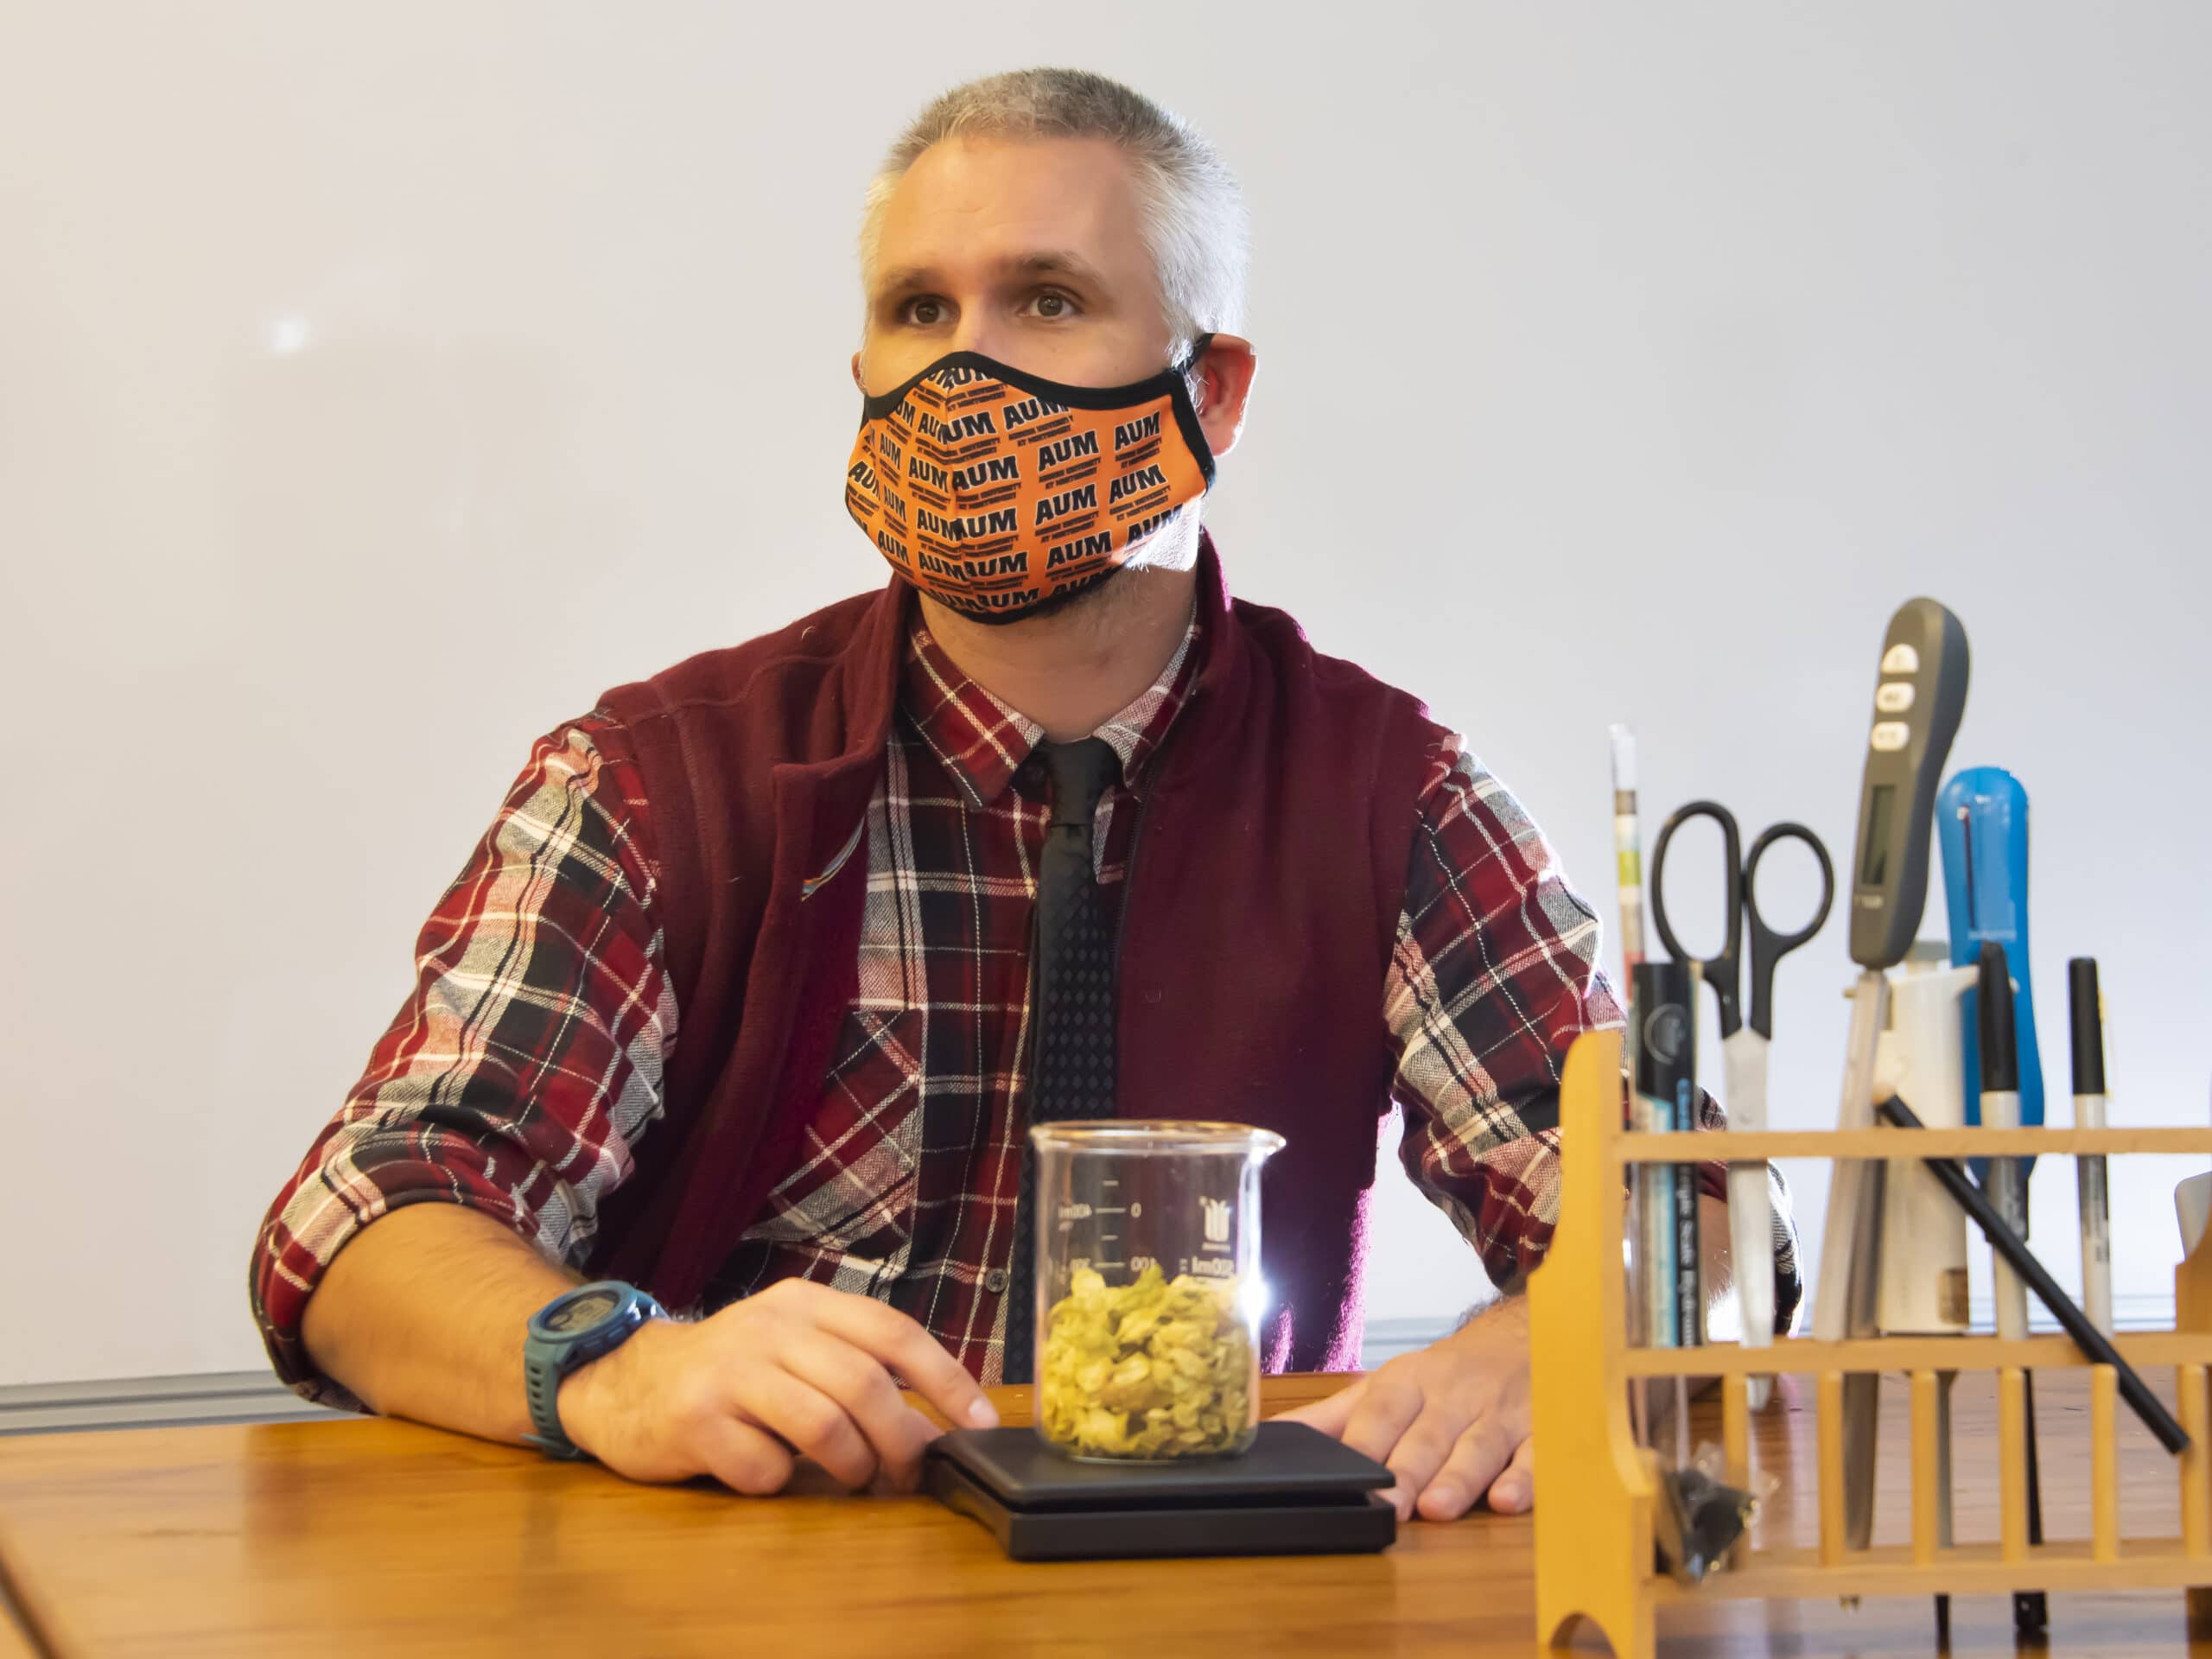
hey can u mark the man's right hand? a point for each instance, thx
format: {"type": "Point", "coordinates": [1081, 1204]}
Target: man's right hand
{"type": "Point", "coordinates": [797, 1370]}
{"type": "Point", "coordinates": [421, 1315]}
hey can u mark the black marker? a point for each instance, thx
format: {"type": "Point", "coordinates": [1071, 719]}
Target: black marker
{"type": "Point", "coordinates": [2008, 1186]}
{"type": "Point", "coordinates": [2085, 1017]}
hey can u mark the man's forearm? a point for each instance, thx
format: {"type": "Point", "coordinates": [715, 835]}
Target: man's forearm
{"type": "Point", "coordinates": [421, 1316]}
{"type": "Point", "coordinates": [1714, 1273]}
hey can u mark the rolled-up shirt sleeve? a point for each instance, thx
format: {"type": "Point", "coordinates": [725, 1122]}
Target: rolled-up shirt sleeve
{"type": "Point", "coordinates": [528, 1059]}
{"type": "Point", "coordinates": [1493, 976]}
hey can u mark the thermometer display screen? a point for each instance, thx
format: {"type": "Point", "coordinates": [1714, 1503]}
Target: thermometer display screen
{"type": "Point", "coordinates": [1874, 838]}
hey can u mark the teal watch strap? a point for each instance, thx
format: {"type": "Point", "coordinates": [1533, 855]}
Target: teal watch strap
{"type": "Point", "coordinates": [571, 1332]}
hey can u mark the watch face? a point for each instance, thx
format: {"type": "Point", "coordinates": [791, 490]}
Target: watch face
{"type": "Point", "coordinates": [583, 1313]}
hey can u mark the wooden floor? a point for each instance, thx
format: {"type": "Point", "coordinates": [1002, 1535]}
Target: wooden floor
{"type": "Point", "coordinates": [381, 1537]}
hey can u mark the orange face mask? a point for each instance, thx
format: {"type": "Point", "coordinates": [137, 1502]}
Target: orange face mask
{"type": "Point", "coordinates": [997, 492]}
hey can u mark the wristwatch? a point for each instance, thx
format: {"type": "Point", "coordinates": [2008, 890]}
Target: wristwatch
{"type": "Point", "coordinates": [571, 1330]}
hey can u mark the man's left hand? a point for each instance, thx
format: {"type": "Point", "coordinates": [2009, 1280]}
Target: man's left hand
{"type": "Point", "coordinates": [1452, 1421]}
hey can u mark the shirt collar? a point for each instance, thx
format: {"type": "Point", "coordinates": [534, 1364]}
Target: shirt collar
{"type": "Point", "coordinates": [982, 741]}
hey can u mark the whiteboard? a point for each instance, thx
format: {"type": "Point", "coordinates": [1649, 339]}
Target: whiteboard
{"type": "Point", "coordinates": [378, 384]}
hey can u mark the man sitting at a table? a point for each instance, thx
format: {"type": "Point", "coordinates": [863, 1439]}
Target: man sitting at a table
{"type": "Point", "coordinates": [750, 991]}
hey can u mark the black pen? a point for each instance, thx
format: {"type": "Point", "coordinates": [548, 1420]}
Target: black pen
{"type": "Point", "coordinates": [2006, 1182]}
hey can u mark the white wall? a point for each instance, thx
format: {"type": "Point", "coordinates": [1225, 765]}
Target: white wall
{"type": "Point", "coordinates": [377, 385]}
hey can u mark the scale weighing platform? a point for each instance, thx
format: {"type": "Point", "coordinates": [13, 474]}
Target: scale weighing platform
{"type": "Point", "coordinates": [1294, 1493]}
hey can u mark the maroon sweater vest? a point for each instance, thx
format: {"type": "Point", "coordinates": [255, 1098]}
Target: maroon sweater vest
{"type": "Point", "coordinates": [1261, 907]}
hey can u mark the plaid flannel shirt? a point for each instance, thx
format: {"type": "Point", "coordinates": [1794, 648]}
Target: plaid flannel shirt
{"type": "Point", "coordinates": [527, 1064]}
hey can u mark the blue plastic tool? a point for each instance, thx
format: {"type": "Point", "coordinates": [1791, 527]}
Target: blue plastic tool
{"type": "Point", "coordinates": [1981, 826]}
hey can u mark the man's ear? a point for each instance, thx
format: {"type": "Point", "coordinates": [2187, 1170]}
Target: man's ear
{"type": "Point", "coordinates": [1224, 373]}
{"type": "Point", "coordinates": [857, 381]}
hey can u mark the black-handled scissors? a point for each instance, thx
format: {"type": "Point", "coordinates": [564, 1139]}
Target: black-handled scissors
{"type": "Point", "coordinates": [1743, 1053]}
{"type": "Point", "coordinates": [1740, 877]}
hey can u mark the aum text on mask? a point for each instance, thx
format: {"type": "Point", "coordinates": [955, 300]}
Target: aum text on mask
{"type": "Point", "coordinates": [975, 527]}
{"type": "Point", "coordinates": [1068, 503]}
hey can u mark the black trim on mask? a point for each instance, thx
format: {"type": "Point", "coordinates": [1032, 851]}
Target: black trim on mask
{"type": "Point", "coordinates": [1170, 382]}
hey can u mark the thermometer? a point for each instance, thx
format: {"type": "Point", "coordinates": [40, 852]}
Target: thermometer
{"type": "Point", "coordinates": [1920, 692]}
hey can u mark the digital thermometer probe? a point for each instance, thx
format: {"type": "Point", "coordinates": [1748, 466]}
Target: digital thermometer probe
{"type": "Point", "coordinates": [1920, 692]}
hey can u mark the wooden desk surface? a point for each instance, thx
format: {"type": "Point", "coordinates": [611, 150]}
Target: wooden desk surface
{"type": "Point", "coordinates": [382, 1537]}
{"type": "Point", "coordinates": [15, 1642]}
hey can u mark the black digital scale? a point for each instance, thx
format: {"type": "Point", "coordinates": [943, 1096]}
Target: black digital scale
{"type": "Point", "coordinates": [1294, 1493]}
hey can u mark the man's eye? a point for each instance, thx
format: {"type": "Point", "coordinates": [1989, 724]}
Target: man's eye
{"type": "Point", "coordinates": [925, 312]}
{"type": "Point", "coordinates": [1055, 305]}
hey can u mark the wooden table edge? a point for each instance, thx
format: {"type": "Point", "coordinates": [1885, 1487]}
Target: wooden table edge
{"type": "Point", "coordinates": [36, 1625]}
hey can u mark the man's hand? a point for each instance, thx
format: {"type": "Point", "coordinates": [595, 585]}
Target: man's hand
{"type": "Point", "coordinates": [1452, 1421]}
{"type": "Point", "coordinates": [798, 1370]}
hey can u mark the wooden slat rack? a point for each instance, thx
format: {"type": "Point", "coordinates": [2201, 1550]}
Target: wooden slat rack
{"type": "Point", "coordinates": [1594, 1486]}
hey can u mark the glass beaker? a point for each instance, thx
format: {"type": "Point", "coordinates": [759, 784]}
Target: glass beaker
{"type": "Point", "coordinates": [1148, 1289]}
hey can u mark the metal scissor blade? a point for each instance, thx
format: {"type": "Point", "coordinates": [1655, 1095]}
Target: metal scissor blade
{"type": "Point", "coordinates": [1751, 1207]}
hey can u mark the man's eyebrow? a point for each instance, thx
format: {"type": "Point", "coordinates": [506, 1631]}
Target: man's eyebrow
{"type": "Point", "coordinates": [1052, 262]}
{"type": "Point", "coordinates": [903, 277]}
{"type": "Point", "coordinates": [1055, 263]}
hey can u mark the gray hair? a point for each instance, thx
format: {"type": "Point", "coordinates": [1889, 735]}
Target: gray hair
{"type": "Point", "coordinates": [1193, 212]}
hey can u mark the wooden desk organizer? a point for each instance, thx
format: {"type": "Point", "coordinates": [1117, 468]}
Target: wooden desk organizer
{"type": "Point", "coordinates": [1594, 1492]}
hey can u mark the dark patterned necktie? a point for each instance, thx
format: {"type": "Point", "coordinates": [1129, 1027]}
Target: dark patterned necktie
{"type": "Point", "coordinates": [1074, 1073]}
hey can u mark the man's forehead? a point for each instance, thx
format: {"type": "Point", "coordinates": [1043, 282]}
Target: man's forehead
{"type": "Point", "coordinates": [1011, 207]}
{"type": "Point", "coordinates": [1006, 266]}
